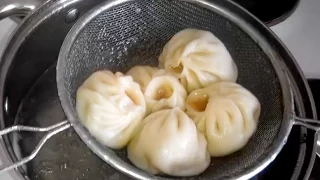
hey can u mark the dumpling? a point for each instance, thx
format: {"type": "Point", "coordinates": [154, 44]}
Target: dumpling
{"type": "Point", "coordinates": [226, 113]}
{"type": "Point", "coordinates": [111, 106]}
{"type": "Point", "coordinates": [198, 58]}
{"type": "Point", "coordinates": [161, 89]}
{"type": "Point", "coordinates": [142, 75]}
{"type": "Point", "coordinates": [169, 143]}
{"type": "Point", "coordinates": [164, 91]}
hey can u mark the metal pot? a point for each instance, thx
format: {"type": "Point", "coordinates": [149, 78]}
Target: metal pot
{"type": "Point", "coordinates": [34, 43]}
{"type": "Point", "coordinates": [37, 41]}
{"type": "Point", "coordinates": [17, 9]}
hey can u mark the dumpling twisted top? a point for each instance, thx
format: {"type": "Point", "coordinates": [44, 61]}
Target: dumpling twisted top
{"type": "Point", "coordinates": [161, 88]}
{"type": "Point", "coordinates": [198, 58]}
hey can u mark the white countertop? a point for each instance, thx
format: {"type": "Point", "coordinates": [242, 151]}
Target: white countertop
{"type": "Point", "coordinates": [6, 27]}
{"type": "Point", "coordinates": [300, 32]}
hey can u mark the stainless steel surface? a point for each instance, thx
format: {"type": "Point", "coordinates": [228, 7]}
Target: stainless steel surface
{"type": "Point", "coordinates": [72, 16]}
{"type": "Point", "coordinates": [301, 29]}
{"type": "Point", "coordinates": [11, 52]}
{"type": "Point", "coordinates": [6, 28]}
{"type": "Point", "coordinates": [311, 124]}
{"type": "Point", "coordinates": [73, 68]}
{"type": "Point", "coordinates": [308, 123]}
{"type": "Point", "coordinates": [30, 128]}
{"type": "Point", "coordinates": [41, 22]}
{"type": "Point", "coordinates": [17, 7]}
{"type": "Point", "coordinates": [52, 130]}
{"type": "Point", "coordinates": [318, 146]}
{"type": "Point", "coordinates": [64, 156]}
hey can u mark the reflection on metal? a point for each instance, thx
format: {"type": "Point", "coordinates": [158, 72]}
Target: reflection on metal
{"type": "Point", "coordinates": [72, 16]}
{"type": "Point", "coordinates": [10, 8]}
{"type": "Point", "coordinates": [52, 130]}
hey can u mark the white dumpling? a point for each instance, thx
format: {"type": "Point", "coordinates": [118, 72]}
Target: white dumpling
{"type": "Point", "coordinates": [142, 75]}
{"type": "Point", "coordinates": [111, 106]}
{"type": "Point", "coordinates": [161, 89]}
{"type": "Point", "coordinates": [226, 113]}
{"type": "Point", "coordinates": [198, 58]}
{"type": "Point", "coordinates": [169, 143]}
{"type": "Point", "coordinates": [164, 91]}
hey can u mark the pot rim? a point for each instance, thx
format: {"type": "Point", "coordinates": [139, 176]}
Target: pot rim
{"type": "Point", "coordinates": [245, 20]}
{"type": "Point", "coordinates": [33, 20]}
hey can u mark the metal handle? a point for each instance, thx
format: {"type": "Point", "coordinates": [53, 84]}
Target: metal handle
{"type": "Point", "coordinates": [310, 124]}
{"type": "Point", "coordinates": [52, 130]}
{"type": "Point", "coordinates": [16, 8]}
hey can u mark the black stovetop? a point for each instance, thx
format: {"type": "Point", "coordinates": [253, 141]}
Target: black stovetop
{"type": "Point", "coordinates": [315, 88]}
{"type": "Point", "coordinates": [315, 175]}
{"type": "Point", "coordinates": [270, 11]}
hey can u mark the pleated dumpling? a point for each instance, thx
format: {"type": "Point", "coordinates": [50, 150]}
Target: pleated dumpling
{"type": "Point", "coordinates": [169, 143]}
{"type": "Point", "coordinates": [226, 113]}
{"type": "Point", "coordinates": [164, 91]}
{"type": "Point", "coordinates": [161, 89]}
{"type": "Point", "coordinates": [111, 106]}
{"type": "Point", "coordinates": [142, 75]}
{"type": "Point", "coordinates": [198, 58]}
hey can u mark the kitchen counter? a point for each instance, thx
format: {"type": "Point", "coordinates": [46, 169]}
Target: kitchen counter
{"type": "Point", "coordinates": [301, 34]}
{"type": "Point", "coordinates": [6, 27]}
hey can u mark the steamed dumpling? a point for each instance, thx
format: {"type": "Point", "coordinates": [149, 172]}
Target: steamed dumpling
{"type": "Point", "coordinates": [198, 58]}
{"type": "Point", "coordinates": [164, 91]}
{"type": "Point", "coordinates": [226, 113]}
{"type": "Point", "coordinates": [111, 106]}
{"type": "Point", "coordinates": [161, 89]}
{"type": "Point", "coordinates": [169, 143]}
{"type": "Point", "coordinates": [142, 75]}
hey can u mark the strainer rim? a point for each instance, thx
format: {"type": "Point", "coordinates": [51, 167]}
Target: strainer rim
{"type": "Point", "coordinates": [109, 157]}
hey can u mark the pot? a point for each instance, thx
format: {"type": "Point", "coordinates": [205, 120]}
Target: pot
{"type": "Point", "coordinates": [17, 9]}
{"type": "Point", "coordinates": [37, 41]}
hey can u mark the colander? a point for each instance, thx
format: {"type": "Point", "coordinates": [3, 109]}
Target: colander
{"type": "Point", "coordinates": [119, 34]}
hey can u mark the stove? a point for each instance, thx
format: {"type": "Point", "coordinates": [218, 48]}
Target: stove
{"type": "Point", "coordinates": [297, 24]}
{"type": "Point", "coordinates": [315, 88]}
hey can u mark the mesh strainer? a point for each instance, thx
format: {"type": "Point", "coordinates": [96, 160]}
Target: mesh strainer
{"type": "Point", "coordinates": [119, 34]}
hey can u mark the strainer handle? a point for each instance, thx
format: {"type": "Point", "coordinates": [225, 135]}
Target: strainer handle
{"type": "Point", "coordinates": [52, 130]}
{"type": "Point", "coordinates": [308, 123]}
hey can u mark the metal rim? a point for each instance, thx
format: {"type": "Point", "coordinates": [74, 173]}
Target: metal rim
{"type": "Point", "coordinates": [288, 55]}
{"type": "Point", "coordinates": [297, 66]}
{"type": "Point", "coordinates": [283, 17]}
{"type": "Point", "coordinates": [247, 26]}
{"type": "Point", "coordinates": [14, 40]}
{"type": "Point", "coordinates": [18, 36]}
{"type": "Point", "coordinates": [84, 134]}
